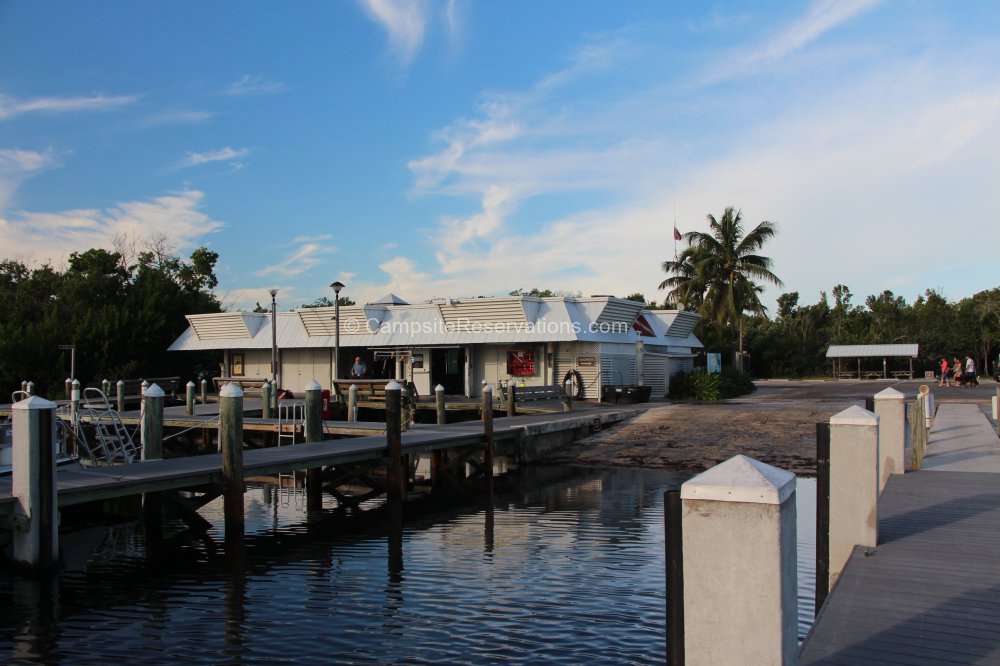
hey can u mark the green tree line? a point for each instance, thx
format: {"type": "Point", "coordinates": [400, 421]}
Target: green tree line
{"type": "Point", "coordinates": [121, 309]}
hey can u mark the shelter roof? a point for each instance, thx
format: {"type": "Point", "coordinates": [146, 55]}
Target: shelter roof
{"type": "Point", "coordinates": [863, 351]}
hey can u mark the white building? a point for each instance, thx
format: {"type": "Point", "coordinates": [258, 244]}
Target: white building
{"type": "Point", "coordinates": [598, 341]}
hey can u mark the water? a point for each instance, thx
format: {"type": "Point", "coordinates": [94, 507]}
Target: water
{"type": "Point", "coordinates": [568, 568]}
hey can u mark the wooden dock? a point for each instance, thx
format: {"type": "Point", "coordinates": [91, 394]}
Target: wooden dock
{"type": "Point", "coordinates": [76, 486]}
{"type": "Point", "coordinates": [930, 592]}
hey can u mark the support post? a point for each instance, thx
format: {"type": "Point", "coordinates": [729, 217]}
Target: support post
{"type": "Point", "coordinates": [996, 407]}
{"type": "Point", "coordinates": [890, 406]}
{"type": "Point", "coordinates": [33, 484]}
{"type": "Point", "coordinates": [568, 396]}
{"type": "Point", "coordinates": [120, 395]}
{"type": "Point", "coordinates": [352, 403]}
{"type": "Point", "coordinates": [511, 408]}
{"type": "Point", "coordinates": [918, 434]}
{"type": "Point", "coordinates": [265, 394]}
{"type": "Point", "coordinates": [106, 387]}
{"type": "Point", "coordinates": [152, 424]}
{"type": "Point", "coordinates": [231, 445]}
{"type": "Point", "coordinates": [488, 436]}
{"type": "Point", "coordinates": [314, 433]}
{"type": "Point", "coordinates": [204, 391]}
{"type": "Point", "coordinates": [395, 480]}
{"type": "Point", "coordinates": [822, 513]}
{"type": "Point", "coordinates": [190, 398]}
{"type": "Point", "coordinates": [31, 388]}
{"type": "Point", "coordinates": [68, 388]}
{"type": "Point", "coordinates": [675, 576]}
{"type": "Point", "coordinates": [740, 570]}
{"type": "Point", "coordinates": [74, 406]}
{"type": "Point", "coordinates": [854, 480]}
{"type": "Point", "coordinates": [442, 414]}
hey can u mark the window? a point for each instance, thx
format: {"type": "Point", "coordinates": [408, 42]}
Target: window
{"type": "Point", "coordinates": [236, 366]}
{"type": "Point", "coordinates": [520, 363]}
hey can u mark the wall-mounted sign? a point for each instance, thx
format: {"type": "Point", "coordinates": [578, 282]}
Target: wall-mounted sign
{"type": "Point", "coordinates": [418, 361]}
{"type": "Point", "coordinates": [586, 361]}
{"type": "Point", "coordinates": [520, 363]}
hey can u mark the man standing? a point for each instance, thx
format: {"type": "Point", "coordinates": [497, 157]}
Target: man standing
{"type": "Point", "coordinates": [970, 371]}
{"type": "Point", "coordinates": [359, 369]}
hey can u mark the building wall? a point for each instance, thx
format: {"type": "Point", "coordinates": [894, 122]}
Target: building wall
{"type": "Point", "coordinates": [301, 366]}
{"type": "Point", "coordinates": [654, 374]}
{"type": "Point", "coordinates": [585, 358]}
{"type": "Point", "coordinates": [489, 362]}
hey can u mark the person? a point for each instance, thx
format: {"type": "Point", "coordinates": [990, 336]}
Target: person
{"type": "Point", "coordinates": [359, 369]}
{"type": "Point", "coordinates": [970, 371]}
{"type": "Point", "coordinates": [956, 372]}
{"type": "Point", "coordinates": [945, 375]}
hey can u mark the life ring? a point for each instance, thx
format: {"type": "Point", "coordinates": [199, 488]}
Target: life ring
{"type": "Point", "coordinates": [577, 379]}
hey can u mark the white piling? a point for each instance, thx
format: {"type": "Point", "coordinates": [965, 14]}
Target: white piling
{"type": "Point", "coordinates": [740, 569]}
{"type": "Point", "coordinates": [890, 406]}
{"type": "Point", "coordinates": [189, 398]}
{"type": "Point", "coordinates": [854, 485]}
{"type": "Point", "coordinates": [151, 433]}
{"type": "Point", "coordinates": [36, 537]}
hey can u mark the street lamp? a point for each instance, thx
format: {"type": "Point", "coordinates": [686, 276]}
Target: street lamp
{"type": "Point", "coordinates": [274, 340]}
{"type": "Point", "coordinates": [337, 286]}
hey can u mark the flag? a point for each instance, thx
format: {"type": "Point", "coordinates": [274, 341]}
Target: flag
{"type": "Point", "coordinates": [677, 234]}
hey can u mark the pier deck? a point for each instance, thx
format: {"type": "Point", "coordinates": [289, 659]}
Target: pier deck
{"type": "Point", "coordinates": [76, 486]}
{"type": "Point", "coordinates": [930, 592]}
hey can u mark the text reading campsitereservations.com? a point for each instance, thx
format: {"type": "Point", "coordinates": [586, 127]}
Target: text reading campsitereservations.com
{"type": "Point", "coordinates": [469, 326]}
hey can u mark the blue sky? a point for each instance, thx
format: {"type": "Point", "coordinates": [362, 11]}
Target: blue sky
{"type": "Point", "coordinates": [462, 148]}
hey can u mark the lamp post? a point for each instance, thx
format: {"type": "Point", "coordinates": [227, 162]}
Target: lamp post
{"type": "Point", "coordinates": [337, 286]}
{"type": "Point", "coordinates": [274, 339]}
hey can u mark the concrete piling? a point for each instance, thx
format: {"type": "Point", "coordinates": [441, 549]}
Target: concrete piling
{"type": "Point", "coordinates": [189, 397]}
{"type": "Point", "coordinates": [890, 406]}
{"type": "Point", "coordinates": [352, 403]}
{"type": "Point", "coordinates": [854, 485]}
{"type": "Point", "coordinates": [439, 405]}
{"type": "Point", "coordinates": [314, 433]}
{"type": "Point", "coordinates": [33, 484]}
{"type": "Point", "coordinates": [151, 434]}
{"type": "Point", "coordinates": [739, 564]}
{"type": "Point", "coordinates": [231, 444]}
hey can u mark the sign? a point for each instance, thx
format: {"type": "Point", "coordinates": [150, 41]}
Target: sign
{"type": "Point", "coordinates": [586, 361]}
{"type": "Point", "coordinates": [418, 361]}
{"type": "Point", "coordinates": [713, 362]}
{"type": "Point", "coordinates": [520, 363]}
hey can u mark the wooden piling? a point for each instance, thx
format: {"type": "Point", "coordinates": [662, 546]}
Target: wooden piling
{"type": "Point", "coordinates": [204, 391]}
{"type": "Point", "coordinates": [352, 403]}
{"type": "Point", "coordinates": [439, 405]}
{"type": "Point", "coordinates": [314, 433]}
{"type": "Point", "coordinates": [567, 397]}
{"type": "Point", "coordinates": [67, 388]}
{"type": "Point", "coordinates": [395, 478]}
{"type": "Point", "coordinates": [106, 387]}
{"type": "Point", "coordinates": [511, 408]}
{"type": "Point", "coordinates": [231, 444]}
{"type": "Point", "coordinates": [265, 394]}
{"type": "Point", "coordinates": [151, 433]}
{"type": "Point", "coordinates": [189, 395]}
{"type": "Point", "coordinates": [488, 436]}
{"type": "Point", "coordinates": [120, 395]}
{"type": "Point", "coordinates": [33, 484]}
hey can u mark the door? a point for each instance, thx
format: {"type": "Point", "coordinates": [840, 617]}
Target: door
{"type": "Point", "coordinates": [448, 370]}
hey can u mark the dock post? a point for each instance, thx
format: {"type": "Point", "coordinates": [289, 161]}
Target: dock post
{"type": "Point", "coordinates": [405, 409]}
{"type": "Point", "coordinates": [488, 436]}
{"type": "Point", "coordinates": [204, 391]}
{"type": "Point", "coordinates": [890, 407]}
{"type": "Point", "coordinates": [30, 388]}
{"type": "Point", "coordinates": [231, 444]}
{"type": "Point", "coordinates": [395, 479]}
{"type": "Point", "coordinates": [265, 396]}
{"type": "Point", "coordinates": [120, 395]}
{"type": "Point", "coordinates": [151, 433]}
{"type": "Point", "coordinates": [739, 562]}
{"type": "Point", "coordinates": [36, 539]}
{"type": "Point", "coordinates": [190, 398]}
{"type": "Point", "coordinates": [511, 409]}
{"type": "Point", "coordinates": [567, 399]}
{"type": "Point", "coordinates": [854, 484]}
{"type": "Point", "coordinates": [674, 576]}
{"type": "Point", "coordinates": [106, 387]}
{"type": "Point", "coordinates": [314, 433]}
{"type": "Point", "coordinates": [142, 393]}
{"type": "Point", "coordinates": [442, 414]}
{"type": "Point", "coordinates": [67, 388]}
{"type": "Point", "coordinates": [74, 406]}
{"type": "Point", "coordinates": [996, 407]}
{"type": "Point", "coordinates": [352, 403]}
{"type": "Point", "coordinates": [918, 434]}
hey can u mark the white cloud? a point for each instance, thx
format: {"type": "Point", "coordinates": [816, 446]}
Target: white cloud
{"type": "Point", "coordinates": [254, 85]}
{"type": "Point", "coordinates": [11, 107]}
{"type": "Point", "coordinates": [51, 236]}
{"type": "Point", "coordinates": [221, 155]}
{"type": "Point", "coordinates": [177, 118]}
{"type": "Point", "coordinates": [306, 256]}
{"type": "Point", "coordinates": [18, 165]}
{"type": "Point", "coordinates": [405, 22]}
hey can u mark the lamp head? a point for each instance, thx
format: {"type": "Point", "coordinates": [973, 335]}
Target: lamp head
{"type": "Point", "coordinates": [273, 292]}
{"type": "Point", "coordinates": [337, 286]}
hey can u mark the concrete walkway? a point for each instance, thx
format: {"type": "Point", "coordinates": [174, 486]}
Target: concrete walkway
{"type": "Point", "coordinates": [962, 440]}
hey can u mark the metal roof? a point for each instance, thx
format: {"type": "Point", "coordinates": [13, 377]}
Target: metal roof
{"type": "Point", "coordinates": [863, 351]}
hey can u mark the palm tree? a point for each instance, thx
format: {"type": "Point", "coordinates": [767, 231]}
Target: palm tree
{"type": "Point", "coordinates": [718, 272]}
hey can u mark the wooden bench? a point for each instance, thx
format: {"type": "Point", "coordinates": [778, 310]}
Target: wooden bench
{"type": "Point", "coordinates": [251, 385]}
{"type": "Point", "coordinates": [532, 396]}
{"type": "Point", "coordinates": [132, 388]}
{"type": "Point", "coordinates": [369, 390]}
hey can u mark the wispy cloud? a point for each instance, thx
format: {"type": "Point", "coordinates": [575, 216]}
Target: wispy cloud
{"type": "Point", "coordinates": [306, 256]}
{"type": "Point", "coordinates": [177, 118]}
{"type": "Point", "coordinates": [51, 236]}
{"type": "Point", "coordinates": [227, 154]}
{"type": "Point", "coordinates": [18, 165]}
{"type": "Point", "coordinates": [405, 22]}
{"type": "Point", "coordinates": [254, 85]}
{"type": "Point", "coordinates": [11, 107]}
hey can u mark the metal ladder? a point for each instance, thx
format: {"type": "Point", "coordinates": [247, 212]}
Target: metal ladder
{"type": "Point", "coordinates": [112, 441]}
{"type": "Point", "coordinates": [291, 414]}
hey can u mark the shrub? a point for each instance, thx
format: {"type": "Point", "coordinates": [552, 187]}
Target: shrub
{"type": "Point", "coordinates": [709, 387]}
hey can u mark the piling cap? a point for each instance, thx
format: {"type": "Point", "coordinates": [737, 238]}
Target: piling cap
{"type": "Point", "coordinates": [854, 415]}
{"type": "Point", "coordinates": [924, 389]}
{"type": "Point", "coordinates": [231, 390]}
{"type": "Point", "coordinates": [889, 394]}
{"type": "Point", "coordinates": [190, 384]}
{"type": "Point", "coordinates": [741, 479]}
{"type": "Point", "coordinates": [439, 388]}
{"type": "Point", "coordinates": [393, 385]}
{"type": "Point", "coordinates": [314, 386]}
{"type": "Point", "coordinates": [487, 388]}
{"type": "Point", "coordinates": [153, 391]}
{"type": "Point", "coordinates": [34, 402]}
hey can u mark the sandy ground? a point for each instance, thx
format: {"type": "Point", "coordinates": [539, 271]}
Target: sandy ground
{"type": "Point", "coordinates": [776, 424]}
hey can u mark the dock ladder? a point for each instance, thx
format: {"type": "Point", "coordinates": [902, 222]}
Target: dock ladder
{"type": "Point", "coordinates": [112, 441]}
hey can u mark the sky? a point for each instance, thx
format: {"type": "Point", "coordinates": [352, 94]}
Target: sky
{"type": "Point", "coordinates": [462, 148]}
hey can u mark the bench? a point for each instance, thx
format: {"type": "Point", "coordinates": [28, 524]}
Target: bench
{"type": "Point", "coordinates": [369, 390]}
{"type": "Point", "coordinates": [132, 388]}
{"type": "Point", "coordinates": [536, 395]}
{"type": "Point", "coordinates": [251, 385]}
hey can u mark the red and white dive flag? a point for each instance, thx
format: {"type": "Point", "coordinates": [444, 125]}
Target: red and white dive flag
{"type": "Point", "coordinates": [677, 234]}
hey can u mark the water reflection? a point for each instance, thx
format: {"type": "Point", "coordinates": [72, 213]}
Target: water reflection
{"type": "Point", "coordinates": [567, 567]}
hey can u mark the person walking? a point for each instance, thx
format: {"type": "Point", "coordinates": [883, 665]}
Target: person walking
{"type": "Point", "coordinates": [957, 373]}
{"type": "Point", "coordinates": [945, 375]}
{"type": "Point", "coordinates": [970, 371]}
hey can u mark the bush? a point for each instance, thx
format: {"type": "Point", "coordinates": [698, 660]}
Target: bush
{"type": "Point", "coordinates": [709, 387]}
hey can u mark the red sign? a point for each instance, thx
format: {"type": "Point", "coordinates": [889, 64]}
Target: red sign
{"type": "Point", "coordinates": [642, 327]}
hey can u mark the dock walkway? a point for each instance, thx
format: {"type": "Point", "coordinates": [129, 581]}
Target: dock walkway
{"type": "Point", "coordinates": [930, 592]}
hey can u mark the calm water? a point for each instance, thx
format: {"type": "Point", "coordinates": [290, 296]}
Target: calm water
{"type": "Point", "coordinates": [567, 569]}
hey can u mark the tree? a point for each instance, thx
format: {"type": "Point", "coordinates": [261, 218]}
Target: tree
{"type": "Point", "coordinates": [325, 302]}
{"type": "Point", "coordinates": [719, 272]}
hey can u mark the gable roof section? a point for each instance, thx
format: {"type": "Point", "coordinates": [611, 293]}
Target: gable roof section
{"type": "Point", "coordinates": [320, 321]}
{"type": "Point", "coordinates": [484, 311]}
{"type": "Point", "coordinates": [225, 325]}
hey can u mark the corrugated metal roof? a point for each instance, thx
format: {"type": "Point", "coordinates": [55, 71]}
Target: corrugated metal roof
{"type": "Point", "coordinates": [881, 351]}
